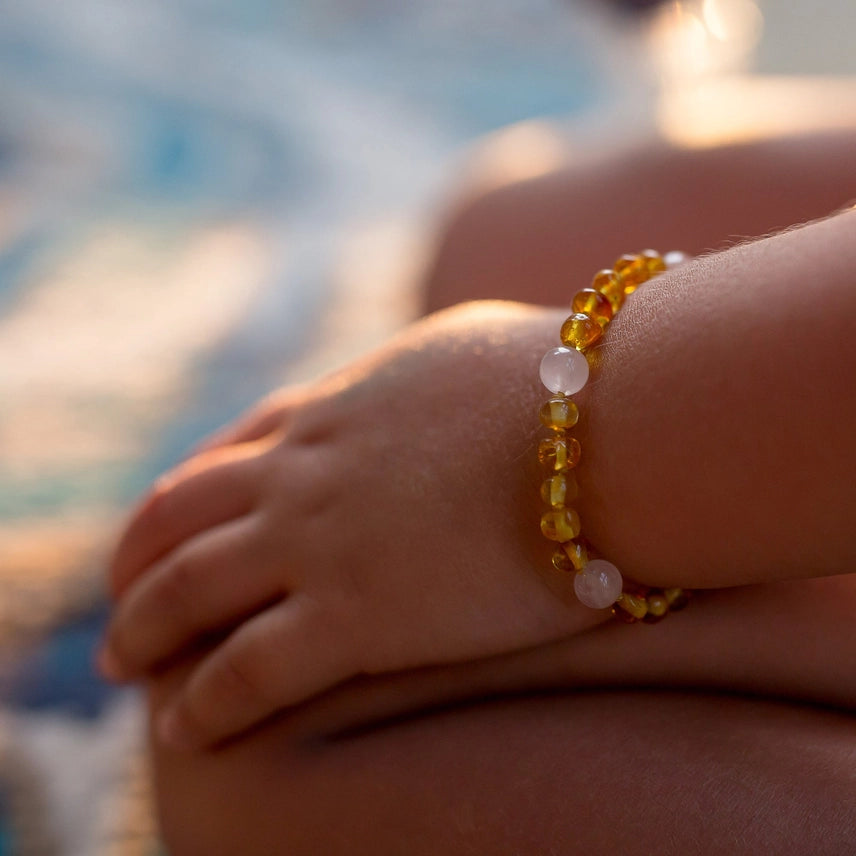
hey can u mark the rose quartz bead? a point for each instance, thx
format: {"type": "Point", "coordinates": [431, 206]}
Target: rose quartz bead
{"type": "Point", "coordinates": [564, 370]}
{"type": "Point", "coordinates": [598, 584]}
{"type": "Point", "coordinates": [675, 258]}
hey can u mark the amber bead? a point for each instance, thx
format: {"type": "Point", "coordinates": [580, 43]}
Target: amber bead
{"type": "Point", "coordinates": [580, 331]}
{"type": "Point", "coordinates": [577, 553]}
{"type": "Point", "coordinates": [593, 303]}
{"type": "Point", "coordinates": [559, 413]}
{"type": "Point", "coordinates": [634, 604]}
{"type": "Point", "coordinates": [610, 286]}
{"type": "Point", "coordinates": [559, 490]}
{"type": "Point", "coordinates": [676, 597]}
{"type": "Point", "coordinates": [654, 262]}
{"type": "Point", "coordinates": [559, 453]}
{"type": "Point", "coordinates": [561, 561]}
{"type": "Point", "coordinates": [560, 524]}
{"type": "Point", "coordinates": [658, 606]}
{"type": "Point", "coordinates": [632, 271]}
{"type": "Point", "coordinates": [622, 614]}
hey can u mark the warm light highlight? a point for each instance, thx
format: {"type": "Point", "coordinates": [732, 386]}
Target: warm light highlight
{"type": "Point", "coordinates": [701, 38]}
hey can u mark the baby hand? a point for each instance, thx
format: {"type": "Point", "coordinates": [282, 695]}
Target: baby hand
{"type": "Point", "coordinates": [386, 520]}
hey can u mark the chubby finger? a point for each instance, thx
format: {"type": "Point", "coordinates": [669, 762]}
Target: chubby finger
{"type": "Point", "coordinates": [206, 585]}
{"type": "Point", "coordinates": [279, 658]}
{"type": "Point", "coordinates": [203, 492]}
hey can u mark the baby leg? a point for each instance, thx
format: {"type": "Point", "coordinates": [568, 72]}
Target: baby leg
{"type": "Point", "coordinates": [609, 772]}
{"type": "Point", "coordinates": [541, 238]}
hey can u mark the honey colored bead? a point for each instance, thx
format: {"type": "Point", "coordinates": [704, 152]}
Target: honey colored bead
{"type": "Point", "coordinates": [593, 303]}
{"type": "Point", "coordinates": [559, 490]}
{"type": "Point", "coordinates": [676, 597]}
{"type": "Point", "coordinates": [559, 453]}
{"type": "Point", "coordinates": [653, 262]}
{"type": "Point", "coordinates": [561, 524]}
{"type": "Point", "coordinates": [622, 614]}
{"type": "Point", "coordinates": [580, 332]}
{"type": "Point", "coordinates": [578, 554]}
{"type": "Point", "coordinates": [632, 271]}
{"type": "Point", "coordinates": [559, 413]}
{"type": "Point", "coordinates": [561, 561]}
{"type": "Point", "coordinates": [658, 606]}
{"type": "Point", "coordinates": [608, 283]}
{"type": "Point", "coordinates": [633, 604]}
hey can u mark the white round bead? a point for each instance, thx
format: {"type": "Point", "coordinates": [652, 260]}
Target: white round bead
{"type": "Point", "coordinates": [598, 584]}
{"type": "Point", "coordinates": [675, 258]}
{"type": "Point", "coordinates": [564, 370]}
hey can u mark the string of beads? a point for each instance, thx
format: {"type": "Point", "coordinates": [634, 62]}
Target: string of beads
{"type": "Point", "coordinates": [565, 371]}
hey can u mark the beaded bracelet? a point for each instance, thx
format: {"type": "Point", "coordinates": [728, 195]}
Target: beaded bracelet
{"type": "Point", "coordinates": [564, 371]}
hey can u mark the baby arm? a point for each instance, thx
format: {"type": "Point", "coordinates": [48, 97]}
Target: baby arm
{"type": "Point", "coordinates": [430, 553]}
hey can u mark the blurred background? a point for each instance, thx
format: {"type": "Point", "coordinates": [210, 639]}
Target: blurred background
{"type": "Point", "coordinates": [201, 200]}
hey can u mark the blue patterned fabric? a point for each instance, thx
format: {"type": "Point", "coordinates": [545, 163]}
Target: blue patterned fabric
{"type": "Point", "coordinates": [179, 182]}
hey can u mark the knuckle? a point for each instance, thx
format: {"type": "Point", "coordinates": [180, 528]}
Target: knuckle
{"type": "Point", "coordinates": [312, 494]}
{"type": "Point", "coordinates": [241, 675]}
{"type": "Point", "coordinates": [269, 411]}
{"type": "Point", "coordinates": [177, 591]}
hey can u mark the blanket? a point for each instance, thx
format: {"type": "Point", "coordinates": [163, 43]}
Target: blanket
{"type": "Point", "coordinates": [199, 202]}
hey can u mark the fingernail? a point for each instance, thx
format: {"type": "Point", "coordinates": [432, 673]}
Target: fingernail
{"type": "Point", "coordinates": [108, 665]}
{"type": "Point", "coordinates": [172, 730]}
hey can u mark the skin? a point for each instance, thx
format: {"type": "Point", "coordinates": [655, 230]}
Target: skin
{"type": "Point", "coordinates": [750, 789]}
{"type": "Point", "coordinates": [522, 239]}
{"type": "Point", "coordinates": [476, 758]}
{"type": "Point", "coordinates": [357, 752]}
{"type": "Point", "coordinates": [321, 604]}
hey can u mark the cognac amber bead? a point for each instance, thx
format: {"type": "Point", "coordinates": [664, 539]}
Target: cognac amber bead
{"type": "Point", "coordinates": [580, 331]}
{"type": "Point", "coordinates": [560, 524]}
{"type": "Point", "coordinates": [632, 271]}
{"type": "Point", "coordinates": [657, 604]}
{"type": "Point", "coordinates": [622, 614]}
{"type": "Point", "coordinates": [676, 597]}
{"type": "Point", "coordinates": [654, 262]}
{"type": "Point", "coordinates": [593, 303]}
{"type": "Point", "coordinates": [559, 453]}
{"type": "Point", "coordinates": [559, 413]}
{"type": "Point", "coordinates": [658, 607]}
{"type": "Point", "coordinates": [577, 553]}
{"type": "Point", "coordinates": [610, 286]}
{"type": "Point", "coordinates": [559, 490]}
{"type": "Point", "coordinates": [633, 604]}
{"type": "Point", "coordinates": [561, 561]}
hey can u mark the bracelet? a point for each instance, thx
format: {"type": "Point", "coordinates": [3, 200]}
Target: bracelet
{"type": "Point", "coordinates": [564, 371]}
